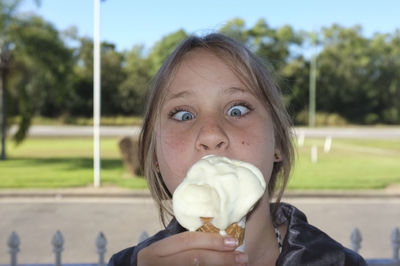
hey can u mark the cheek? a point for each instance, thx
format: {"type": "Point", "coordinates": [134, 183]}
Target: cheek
{"type": "Point", "coordinates": [171, 156]}
{"type": "Point", "coordinates": [257, 147]}
{"type": "Point", "coordinates": [172, 145]}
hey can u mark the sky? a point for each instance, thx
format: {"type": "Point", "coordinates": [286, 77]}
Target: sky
{"type": "Point", "coordinates": [130, 22]}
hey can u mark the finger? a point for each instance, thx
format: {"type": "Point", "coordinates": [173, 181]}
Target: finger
{"type": "Point", "coordinates": [205, 258]}
{"type": "Point", "coordinates": [196, 258]}
{"type": "Point", "coordinates": [194, 240]}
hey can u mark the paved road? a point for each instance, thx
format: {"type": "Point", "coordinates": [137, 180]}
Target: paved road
{"type": "Point", "coordinates": [350, 132]}
{"type": "Point", "coordinates": [123, 219]}
{"type": "Point", "coordinates": [78, 131]}
{"type": "Point", "coordinates": [345, 132]}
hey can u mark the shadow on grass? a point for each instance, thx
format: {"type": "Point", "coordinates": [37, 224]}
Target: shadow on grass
{"type": "Point", "coordinates": [71, 163]}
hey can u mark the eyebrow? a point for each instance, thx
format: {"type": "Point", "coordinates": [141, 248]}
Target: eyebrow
{"type": "Point", "coordinates": [181, 94]}
{"type": "Point", "coordinates": [233, 90]}
{"type": "Point", "coordinates": [229, 90]}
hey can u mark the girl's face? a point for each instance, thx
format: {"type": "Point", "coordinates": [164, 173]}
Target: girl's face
{"type": "Point", "coordinates": [208, 110]}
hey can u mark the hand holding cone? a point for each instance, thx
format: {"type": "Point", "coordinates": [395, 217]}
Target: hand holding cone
{"type": "Point", "coordinates": [234, 230]}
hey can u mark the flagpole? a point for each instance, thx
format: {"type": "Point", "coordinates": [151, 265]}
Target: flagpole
{"type": "Point", "coordinates": [96, 94]}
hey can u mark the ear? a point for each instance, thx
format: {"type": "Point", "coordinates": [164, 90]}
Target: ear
{"type": "Point", "coordinates": [277, 155]}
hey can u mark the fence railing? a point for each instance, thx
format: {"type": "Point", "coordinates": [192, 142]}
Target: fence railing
{"type": "Point", "coordinates": [57, 242]}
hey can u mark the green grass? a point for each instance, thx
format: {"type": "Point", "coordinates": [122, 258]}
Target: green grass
{"type": "Point", "coordinates": [351, 164]}
{"type": "Point", "coordinates": [67, 162]}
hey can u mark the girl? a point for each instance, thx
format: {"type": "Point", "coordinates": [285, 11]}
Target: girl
{"type": "Point", "coordinates": [213, 96]}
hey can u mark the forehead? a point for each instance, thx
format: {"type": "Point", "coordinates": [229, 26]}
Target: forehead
{"type": "Point", "coordinates": [204, 65]}
{"type": "Point", "coordinates": [240, 69]}
{"type": "Point", "coordinates": [201, 67]}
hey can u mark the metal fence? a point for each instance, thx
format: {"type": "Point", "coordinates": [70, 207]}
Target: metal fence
{"type": "Point", "coordinates": [57, 242]}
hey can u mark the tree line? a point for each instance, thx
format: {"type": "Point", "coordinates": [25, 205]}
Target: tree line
{"type": "Point", "coordinates": [50, 72]}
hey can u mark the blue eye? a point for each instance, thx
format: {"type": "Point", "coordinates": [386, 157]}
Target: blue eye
{"type": "Point", "coordinates": [183, 116]}
{"type": "Point", "coordinates": [238, 110]}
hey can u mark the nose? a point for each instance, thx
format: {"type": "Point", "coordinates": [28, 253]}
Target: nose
{"type": "Point", "coordinates": [212, 137]}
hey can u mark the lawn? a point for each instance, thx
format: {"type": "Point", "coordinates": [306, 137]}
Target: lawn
{"type": "Point", "coordinates": [63, 162]}
{"type": "Point", "coordinates": [351, 164]}
{"type": "Point", "coordinates": [67, 162]}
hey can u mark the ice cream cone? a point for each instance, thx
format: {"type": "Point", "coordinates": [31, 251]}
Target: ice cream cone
{"type": "Point", "coordinates": [207, 226]}
{"type": "Point", "coordinates": [235, 230]}
{"type": "Point", "coordinates": [214, 196]}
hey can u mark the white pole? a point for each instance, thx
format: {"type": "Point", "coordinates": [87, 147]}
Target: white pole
{"type": "Point", "coordinates": [328, 144]}
{"type": "Point", "coordinates": [300, 140]}
{"type": "Point", "coordinates": [96, 94]}
{"type": "Point", "coordinates": [314, 154]}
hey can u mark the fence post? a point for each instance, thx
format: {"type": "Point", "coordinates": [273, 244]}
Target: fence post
{"type": "Point", "coordinates": [101, 244]}
{"type": "Point", "coordinates": [395, 243]}
{"type": "Point", "coordinates": [300, 140]}
{"type": "Point", "coordinates": [314, 154]}
{"type": "Point", "coordinates": [13, 246]}
{"type": "Point", "coordinates": [328, 144]}
{"type": "Point", "coordinates": [58, 243]}
{"type": "Point", "coordinates": [355, 240]}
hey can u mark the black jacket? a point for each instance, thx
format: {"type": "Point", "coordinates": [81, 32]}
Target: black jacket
{"type": "Point", "coordinates": [304, 244]}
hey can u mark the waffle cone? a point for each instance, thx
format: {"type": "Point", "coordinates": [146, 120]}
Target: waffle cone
{"type": "Point", "coordinates": [233, 230]}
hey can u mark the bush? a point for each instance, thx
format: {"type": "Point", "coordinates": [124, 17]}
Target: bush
{"type": "Point", "coordinates": [321, 119]}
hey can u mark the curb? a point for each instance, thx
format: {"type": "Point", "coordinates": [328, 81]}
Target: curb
{"type": "Point", "coordinates": [125, 193]}
{"type": "Point", "coordinates": [342, 193]}
{"type": "Point", "coordinates": [73, 193]}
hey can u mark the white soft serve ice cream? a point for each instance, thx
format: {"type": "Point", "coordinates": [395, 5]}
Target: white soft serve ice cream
{"type": "Point", "coordinates": [217, 187]}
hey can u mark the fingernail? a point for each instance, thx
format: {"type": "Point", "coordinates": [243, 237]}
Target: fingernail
{"type": "Point", "coordinates": [230, 242]}
{"type": "Point", "coordinates": [241, 258]}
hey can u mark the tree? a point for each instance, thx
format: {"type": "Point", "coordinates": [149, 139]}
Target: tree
{"type": "Point", "coordinates": [273, 44]}
{"type": "Point", "coordinates": [80, 95]}
{"type": "Point", "coordinates": [294, 76]}
{"type": "Point", "coordinates": [112, 75]}
{"type": "Point", "coordinates": [132, 91]}
{"type": "Point", "coordinates": [358, 76]}
{"type": "Point", "coordinates": [163, 48]}
{"type": "Point", "coordinates": [34, 72]}
{"type": "Point", "coordinates": [385, 54]}
{"type": "Point", "coordinates": [80, 98]}
{"type": "Point", "coordinates": [39, 77]}
{"type": "Point", "coordinates": [236, 29]}
{"type": "Point", "coordinates": [6, 10]}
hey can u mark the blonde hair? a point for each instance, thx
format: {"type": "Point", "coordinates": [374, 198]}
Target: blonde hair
{"type": "Point", "coordinates": [253, 73]}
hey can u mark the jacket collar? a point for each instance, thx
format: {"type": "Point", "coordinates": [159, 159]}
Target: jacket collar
{"type": "Point", "coordinates": [304, 244]}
